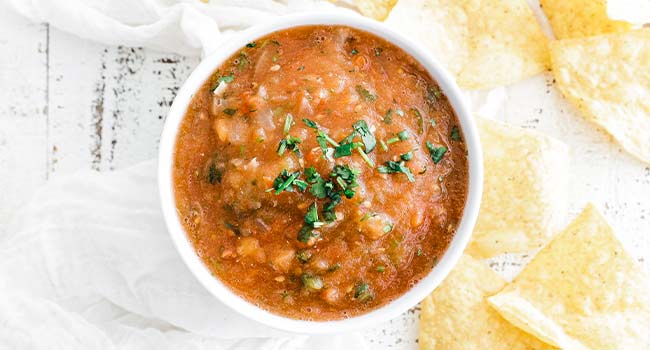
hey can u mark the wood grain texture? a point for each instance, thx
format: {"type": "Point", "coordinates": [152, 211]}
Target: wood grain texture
{"type": "Point", "coordinates": [68, 104]}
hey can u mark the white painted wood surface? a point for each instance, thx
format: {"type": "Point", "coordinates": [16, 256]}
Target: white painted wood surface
{"type": "Point", "coordinates": [68, 104]}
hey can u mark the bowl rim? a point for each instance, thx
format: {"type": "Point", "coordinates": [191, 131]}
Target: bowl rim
{"type": "Point", "coordinates": [223, 293]}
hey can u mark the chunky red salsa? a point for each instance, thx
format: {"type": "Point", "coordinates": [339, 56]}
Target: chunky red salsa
{"type": "Point", "coordinates": [320, 172]}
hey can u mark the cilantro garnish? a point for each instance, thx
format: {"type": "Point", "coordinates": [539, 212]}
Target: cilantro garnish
{"type": "Point", "coordinates": [436, 153]}
{"type": "Point", "coordinates": [369, 141]}
{"type": "Point", "coordinates": [251, 44]}
{"type": "Point", "coordinates": [289, 143]}
{"type": "Point", "coordinates": [391, 167]}
{"type": "Point", "coordinates": [226, 78]}
{"type": "Point", "coordinates": [284, 181]}
{"type": "Point", "coordinates": [455, 133]}
{"type": "Point", "coordinates": [388, 117]}
{"type": "Point", "coordinates": [310, 123]}
{"type": "Point", "coordinates": [343, 150]}
{"type": "Point", "coordinates": [367, 95]}
{"type": "Point", "coordinates": [288, 122]}
{"type": "Point", "coordinates": [362, 292]}
{"type": "Point", "coordinates": [407, 156]}
{"type": "Point", "coordinates": [230, 111]}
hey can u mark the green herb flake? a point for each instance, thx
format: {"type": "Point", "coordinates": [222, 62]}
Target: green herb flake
{"type": "Point", "coordinates": [310, 123]}
{"type": "Point", "coordinates": [455, 133]}
{"type": "Point", "coordinates": [403, 135]}
{"type": "Point", "coordinates": [301, 68]}
{"type": "Point", "coordinates": [407, 156]}
{"type": "Point", "coordinates": [369, 141]}
{"type": "Point", "coordinates": [391, 167]}
{"type": "Point", "coordinates": [251, 44]}
{"type": "Point", "coordinates": [312, 282]}
{"type": "Point", "coordinates": [343, 150]}
{"type": "Point", "coordinates": [433, 121]}
{"type": "Point", "coordinates": [367, 95]}
{"type": "Point", "coordinates": [230, 111]}
{"type": "Point", "coordinates": [419, 252]}
{"type": "Point", "coordinates": [306, 233]}
{"type": "Point", "coordinates": [284, 181]}
{"type": "Point", "coordinates": [362, 292]}
{"type": "Point", "coordinates": [214, 174]}
{"type": "Point", "coordinates": [383, 145]}
{"type": "Point", "coordinates": [301, 185]}
{"type": "Point", "coordinates": [388, 227]}
{"type": "Point", "coordinates": [334, 267]}
{"type": "Point", "coordinates": [304, 255]}
{"type": "Point", "coordinates": [226, 78]}
{"type": "Point", "coordinates": [354, 51]}
{"type": "Point", "coordinates": [381, 268]}
{"type": "Point", "coordinates": [420, 120]}
{"type": "Point", "coordinates": [436, 153]}
{"type": "Point", "coordinates": [288, 122]}
{"type": "Point", "coordinates": [399, 112]}
{"type": "Point", "coordinates": [289, 143]}
{"type": "Point", "coordinates": [388, 117]}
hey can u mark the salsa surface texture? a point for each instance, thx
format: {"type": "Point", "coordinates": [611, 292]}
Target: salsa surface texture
{"type": "Point", "coordinates": [320, 172]}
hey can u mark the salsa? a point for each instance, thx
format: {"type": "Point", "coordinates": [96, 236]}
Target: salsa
{"type": "Point", "coordinates": [320, 172]}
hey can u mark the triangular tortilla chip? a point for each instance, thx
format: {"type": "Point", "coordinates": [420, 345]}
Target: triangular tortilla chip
{"type": "Point", "coordinates": [483, 43]}
{"type": "Point", "coordinates": [581, 18]}
{"type": "Point", "coordinates": [377, 9]}
{"type": "Point", "coordinates": [524, 192]}
{"type": "Point", "coordinates": [457, 316]}
{"type": "Point", "coordinates": [608, 78]}
{"type": "Point", "coordinates": [582, 291]}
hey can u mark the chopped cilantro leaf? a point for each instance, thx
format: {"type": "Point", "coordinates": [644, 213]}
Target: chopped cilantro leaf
{"type": "Point", "coordinates": [367, 95]}
{"type": "Point", "coordinates": [420, 120]}
{"type": "Point", "coordinates": [230, 111]}
{"type": "Point", "coordinates": [226, 78]}
{"type": "Point", "coordinates": [310, 123]}
{"type": "Point", "coordinates": [362, 292]}
{"type": "Point", "coordinates": [436, 153]}
{"type": "Point", "coordinates": [455, 133]}
{"type": "Point", "coordinates": [399, 112]}
{"type": "Point", "coordinates": [304, 255]}
{"type": "Point", "coordinates": [301, 185]}
{"type": "Point", "coordinates": [381, 268]}
{"type": "Point", "coordinates": [288, 122]}
{"type": "Point", "coordinates": [403, 135]}
{"type": "Point", "coordinates": [407, 156]}
{"type": "Point", "coordinates": [251, 44]}
{"type": "Point", "coordinates": [343, 150]}
{"type": "Point", "coordinates": [284, 181]}
{"type": "Point", "coordinates": [369, 141]}
{"type": "Point", "coordinates": [312, 214]}
{"type": "Point", "coordinates": [289, 143]}
{"type": "Point", "coordinates": [354, 51]}
{"type": "Point", "coordinates": [306, 233]}
{"type": "Point", "coordinates": [391, 167]}
{"type": "Point", "coordinates": [388, 117]}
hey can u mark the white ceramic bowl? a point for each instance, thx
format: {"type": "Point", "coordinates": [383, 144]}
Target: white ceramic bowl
{"type": "Point", "coordinates": [221, 291]}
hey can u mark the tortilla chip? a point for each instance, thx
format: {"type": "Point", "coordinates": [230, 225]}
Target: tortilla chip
{"type": "Point", "coordinates": [581, 18]}
{"type": "Point", "coordinates": [524, 190]}
{"type": "Point", "coordinates": [581, 291]}
{"type": "Point", "coordinates": [483, 43]}
{"type": "Point", "coordinates": [608, 78]}
{"type": "Point", "coordinates": [457, 316]}
{"type": "Point", "coordinates": [377, 9]}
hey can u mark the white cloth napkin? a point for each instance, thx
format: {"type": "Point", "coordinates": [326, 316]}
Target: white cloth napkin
{"type": "Point", "coordinates": [186, 27]}
{"type": "Point", "coordinates": [88, 264]}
